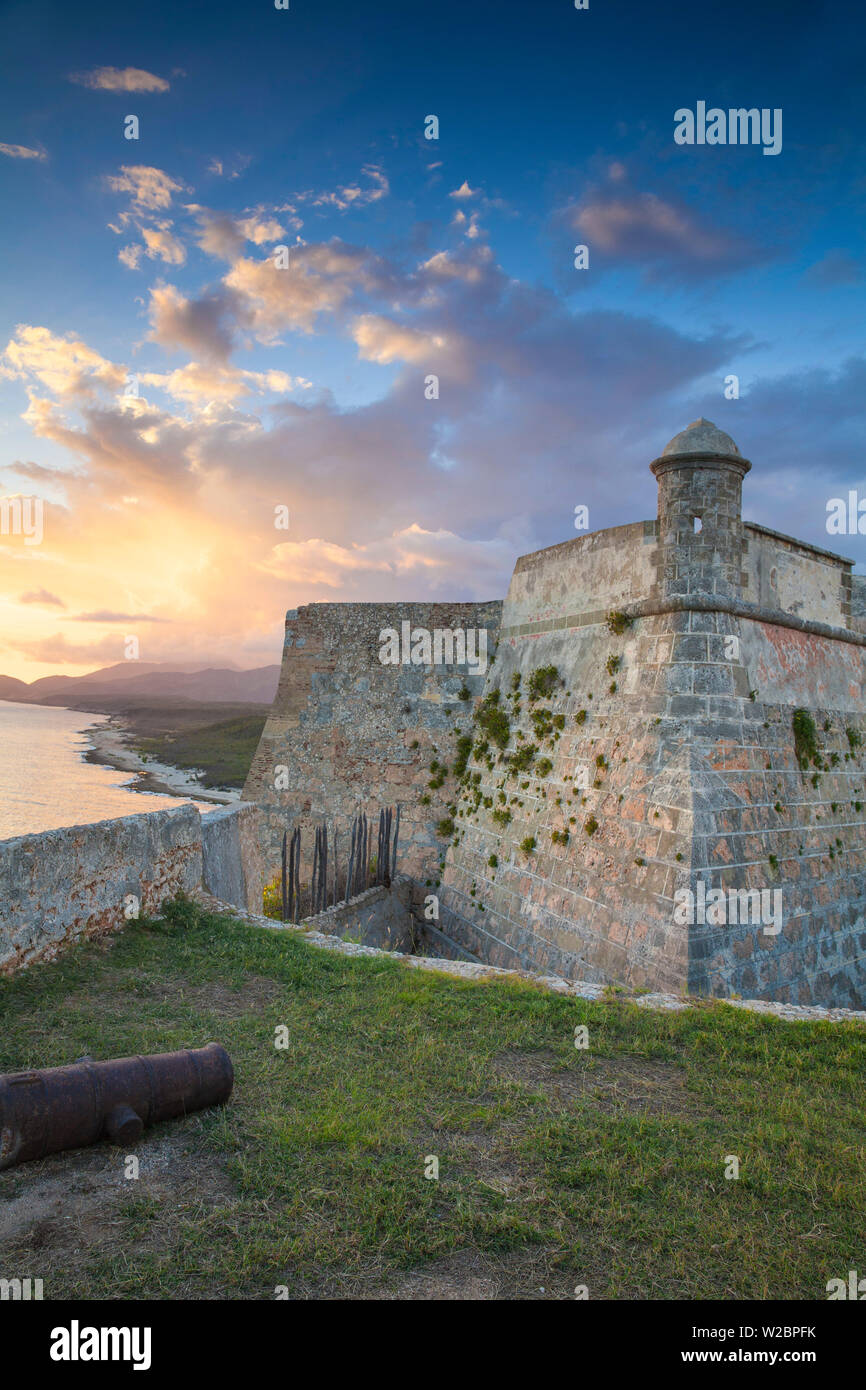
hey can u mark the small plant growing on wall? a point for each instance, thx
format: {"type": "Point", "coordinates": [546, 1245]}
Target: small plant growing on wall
{"type": "Point", "coordinates": [543, 682]}
{"type": "Point", "coordinates": [464, 748]}
{"type": "Point", "coordinates": [805, 739]}
{"type": "Point", "coordinates": [494, 721]}
{"type": "Point", "coordinates": [618, 622]}
{"type": "Point", "coordinates": [522, 760]}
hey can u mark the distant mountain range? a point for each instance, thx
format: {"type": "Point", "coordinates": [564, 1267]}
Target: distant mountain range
{"type": "Point", "coordinates": [148, 680]}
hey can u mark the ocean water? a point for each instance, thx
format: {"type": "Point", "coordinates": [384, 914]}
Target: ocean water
{"type": "Point", "coordinates": [45, 782]}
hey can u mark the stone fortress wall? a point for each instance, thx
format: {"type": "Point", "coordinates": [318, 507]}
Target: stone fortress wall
{"type": "Point", "coordinates": [347, 732]}
{"type": "Point", "coordinates": [63, 886]}
{"type": "Point", "coordinates": [665, 755]}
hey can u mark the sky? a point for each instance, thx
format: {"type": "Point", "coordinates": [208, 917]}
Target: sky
{"type": "Point", "coordinates": [219, 339]}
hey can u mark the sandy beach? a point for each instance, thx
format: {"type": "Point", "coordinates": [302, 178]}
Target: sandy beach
{"type": "Point", "coordinates": [110, 748]}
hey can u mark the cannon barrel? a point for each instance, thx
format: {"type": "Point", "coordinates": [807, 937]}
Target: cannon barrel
{"type": "Point", "coordinates": [42, 1112]}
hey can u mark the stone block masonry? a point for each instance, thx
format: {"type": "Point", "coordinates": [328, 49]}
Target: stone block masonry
{"type": "Point", "coordinates": [78, 882]}
{"type": "Point", "coordinates": [703, 732]}
{"type": "Point", "coordinates": [676, 762]}
{"type": "Point", "coordinates": [232, 861]}
{"type": "Point", "coordinates": [347, 732]}
{"type": "Point", "coordinates": [83, 881]}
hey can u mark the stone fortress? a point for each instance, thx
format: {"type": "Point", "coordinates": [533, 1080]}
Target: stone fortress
{"type": "Point", "coordinates": [667, 741]}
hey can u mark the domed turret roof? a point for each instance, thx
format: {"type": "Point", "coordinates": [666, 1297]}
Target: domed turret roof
{"type": "Point", "coordinates": [700, 445]}
{"type": "Point", "coordinates": [702, 437]}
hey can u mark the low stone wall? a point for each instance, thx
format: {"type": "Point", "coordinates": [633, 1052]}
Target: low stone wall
{"type": "Point", "coordinates": [379, 917]}
{"type": "Point", "coordinates": [483, 974]}
{"type": "Point", "coordinates": [85, 880]}
{"type": "Point", "coordinates": [232, 862]}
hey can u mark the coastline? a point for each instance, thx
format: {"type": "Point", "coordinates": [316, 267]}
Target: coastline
{"type": "Point", "coordinates": [109, 747]}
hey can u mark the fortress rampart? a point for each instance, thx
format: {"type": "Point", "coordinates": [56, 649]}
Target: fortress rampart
{"type": "Point", "coordinates": [680, 711]}
{"type": "Point", "coordinates": [348, 731]}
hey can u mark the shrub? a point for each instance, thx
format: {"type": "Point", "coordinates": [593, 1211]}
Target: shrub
{"type": "Point", "coordinates": [445, 828]}
{"type": "Point", "coordinates": [591, 825]}
{"type": "Point", "coordinates": [493, 861]}
{"type": "Point", "coordinates": [528, 845]}
{"type": "Point", "coordinates": [542, 682]}
{"type": "Point", "coordinates": [493, 720]}
{"type": "Point", "coordinates": [464, 748]}
{"type": "Point", "coordinates": [543, 767]}
{"type": "Point", "coordinates": [522, 760]}
{"type": "Point", "coordinates": [805, 739]}
{"type": "Point", "coordinates": [501, 815]}
{"type": "Point", "coordinates": [855, 738]}
{"type": "Point", "coordinates": [464, 693]}
{"type": "Point", "coordinates": [617, 622]}
{"type": "Point", "coordinates": [580, 717]}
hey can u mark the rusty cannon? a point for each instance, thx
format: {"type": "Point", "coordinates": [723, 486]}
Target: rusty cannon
{"type": "Point", "coordinates": [43, 1112]}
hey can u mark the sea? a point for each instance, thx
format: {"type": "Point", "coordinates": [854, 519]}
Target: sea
{"type": "Point", "coordinates": [45, 782]}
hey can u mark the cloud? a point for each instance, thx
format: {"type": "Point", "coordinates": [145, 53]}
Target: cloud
{"type": "Point", "coordinates": [130, 256]}
{"type": "Point", "coordinates": [645, 227]}
{"type": "Point", "coordinates": [55, 650]}
{"type": "Point", "coordinates": [150, 188]}
{"type": "Point", "coordinates": [106, 615]}
{"type": "Point", "coordinates": [403, 557]}
{"type": "Point", "coordinates": [464, 191]}
{"type": "Point", "coordinates": [446, 266]}
{"type": "Point", "coordinates": [320, 279]}
{"type": "Point", "coordinates": [37, 472]}
{"type": "Point", "coordinates": [162, 245]}
{"type": "Point", "coordinates": [43, 598]}
{"type": "Point", "coordinates": [835, 268]}
{"type": "Point", "coordinates": [624, 226]}
{"type": "Point", "coordinates": [200, 385]}
{"type": "Point", "coordinates": [224, 236]}
{"type": "Point", "coordinates": [120, 80]}
{"type": "Point", "coordinates": [65, 365]}
{"type": "Point", "coordinates": [381, 340]}
{"type": "Point", "coordinates": [542, 407]}
{"type": "Point", "coordinates": [353, 195]}
{"type": "Point", "coordinates": [219, 167]}
{"type": "Point", "coordinates": [202, 326]}
{"type": "Point", "coordinates": [22, 152]}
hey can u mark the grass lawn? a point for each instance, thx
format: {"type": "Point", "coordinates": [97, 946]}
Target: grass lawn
{"type": "Point", "coordinates": [558, 1167]}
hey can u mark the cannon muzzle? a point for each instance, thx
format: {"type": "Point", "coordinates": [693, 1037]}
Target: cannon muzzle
{"type": "Point", "coordinates": [42, 1112]}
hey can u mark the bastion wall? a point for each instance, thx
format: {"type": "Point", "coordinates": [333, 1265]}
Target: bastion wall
{"type": "Point", "coordinates": [349, 733]}
{"type": "Point", "coordinates": [703, 730]}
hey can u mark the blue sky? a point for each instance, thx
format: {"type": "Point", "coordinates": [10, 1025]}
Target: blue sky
{"type": "Point", "coordinates": [259, 388]}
